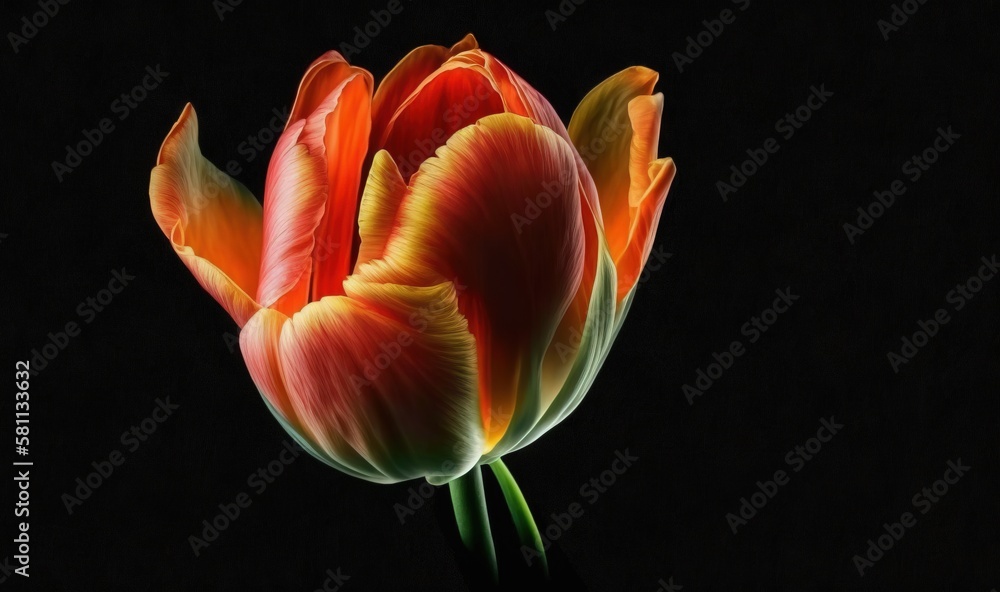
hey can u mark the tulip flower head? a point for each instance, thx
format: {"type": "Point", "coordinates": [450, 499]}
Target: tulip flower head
{"type": "Point", "coordinates": [439, 267]}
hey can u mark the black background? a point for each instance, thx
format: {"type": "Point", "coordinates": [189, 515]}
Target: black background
{"type": "Point", "coordinates": [665, 518]}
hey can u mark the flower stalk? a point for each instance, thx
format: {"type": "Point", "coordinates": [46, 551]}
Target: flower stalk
{"type": "Point", "coordinates": [527, 531]}
{"type": "Point", "coordinates": [469, 500]}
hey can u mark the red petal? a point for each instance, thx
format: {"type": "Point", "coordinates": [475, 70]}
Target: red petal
{"type": "Point", "coordinates": [345, 123]}
{"type": "Point", "coordinates": [403, 79]}
{"type": "Point", "coordinates": [260, 344]}
{"type": "Point", "coordinates": [498, 211]}
{"type": "Point", "coordinates": [311, 199]}
{"type": "Point", "coordinates": [454, 97]}
{"type": "Point", "coordinates": [395, 387]}
{"type": "Point", "coordinates": [325, 74]}
{"type": "Point", "coordinates": [295, 197]}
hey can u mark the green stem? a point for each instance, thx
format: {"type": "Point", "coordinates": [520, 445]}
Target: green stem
{"type": "Point", "coordinates": [469, 500]}
{"type": "Point", "coordinates": [527, 531]}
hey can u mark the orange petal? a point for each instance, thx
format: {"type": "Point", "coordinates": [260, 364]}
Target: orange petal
{"type": "Point", "coordinates": [456, 95]}
{"type": "Point", "coordinates": [260, 344]}
{"type": "Point", "coordinates": [468, 85]}
{"type": "Point", "coordinates": [311, 197]}
{"type": "Point", "coordinates": [212, 221]}
{"type": "Point", "coordinates": [521, 98]}
{"type": "Point", "coordinates": [380, 203]}
{"type": "Point", "coordinates": [642, 231]}
{"type": "Point", "coordinates": [343, 124]}
{"type": "Point", "coordinates": [616, 130]}
{"type": "Point", "coordinates": [565, 346]}
{"type": "Point", "coordinates": [576, 357]}
{"type": "Point", "coordinates": [645, 113]}
{"type": "Point", "coordinates": [498, 210]}
{"type": "Point", "coordinates": [397, 387]}
{"type": "Point", "coordinates": [601, 132]}
{"type": "Point", "coordinates": [295, 197]}
{"type": "Point", "coordinates": [403, 79]}
{"type": "Point", "coordinates": [325, 74]}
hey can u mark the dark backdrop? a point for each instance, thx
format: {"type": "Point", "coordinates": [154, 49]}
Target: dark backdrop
{"type": "Point", "coordinates": [669, 520]}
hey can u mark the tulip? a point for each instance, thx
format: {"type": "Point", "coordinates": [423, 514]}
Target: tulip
{"type": "Point", "coordinates": [439, 267]}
